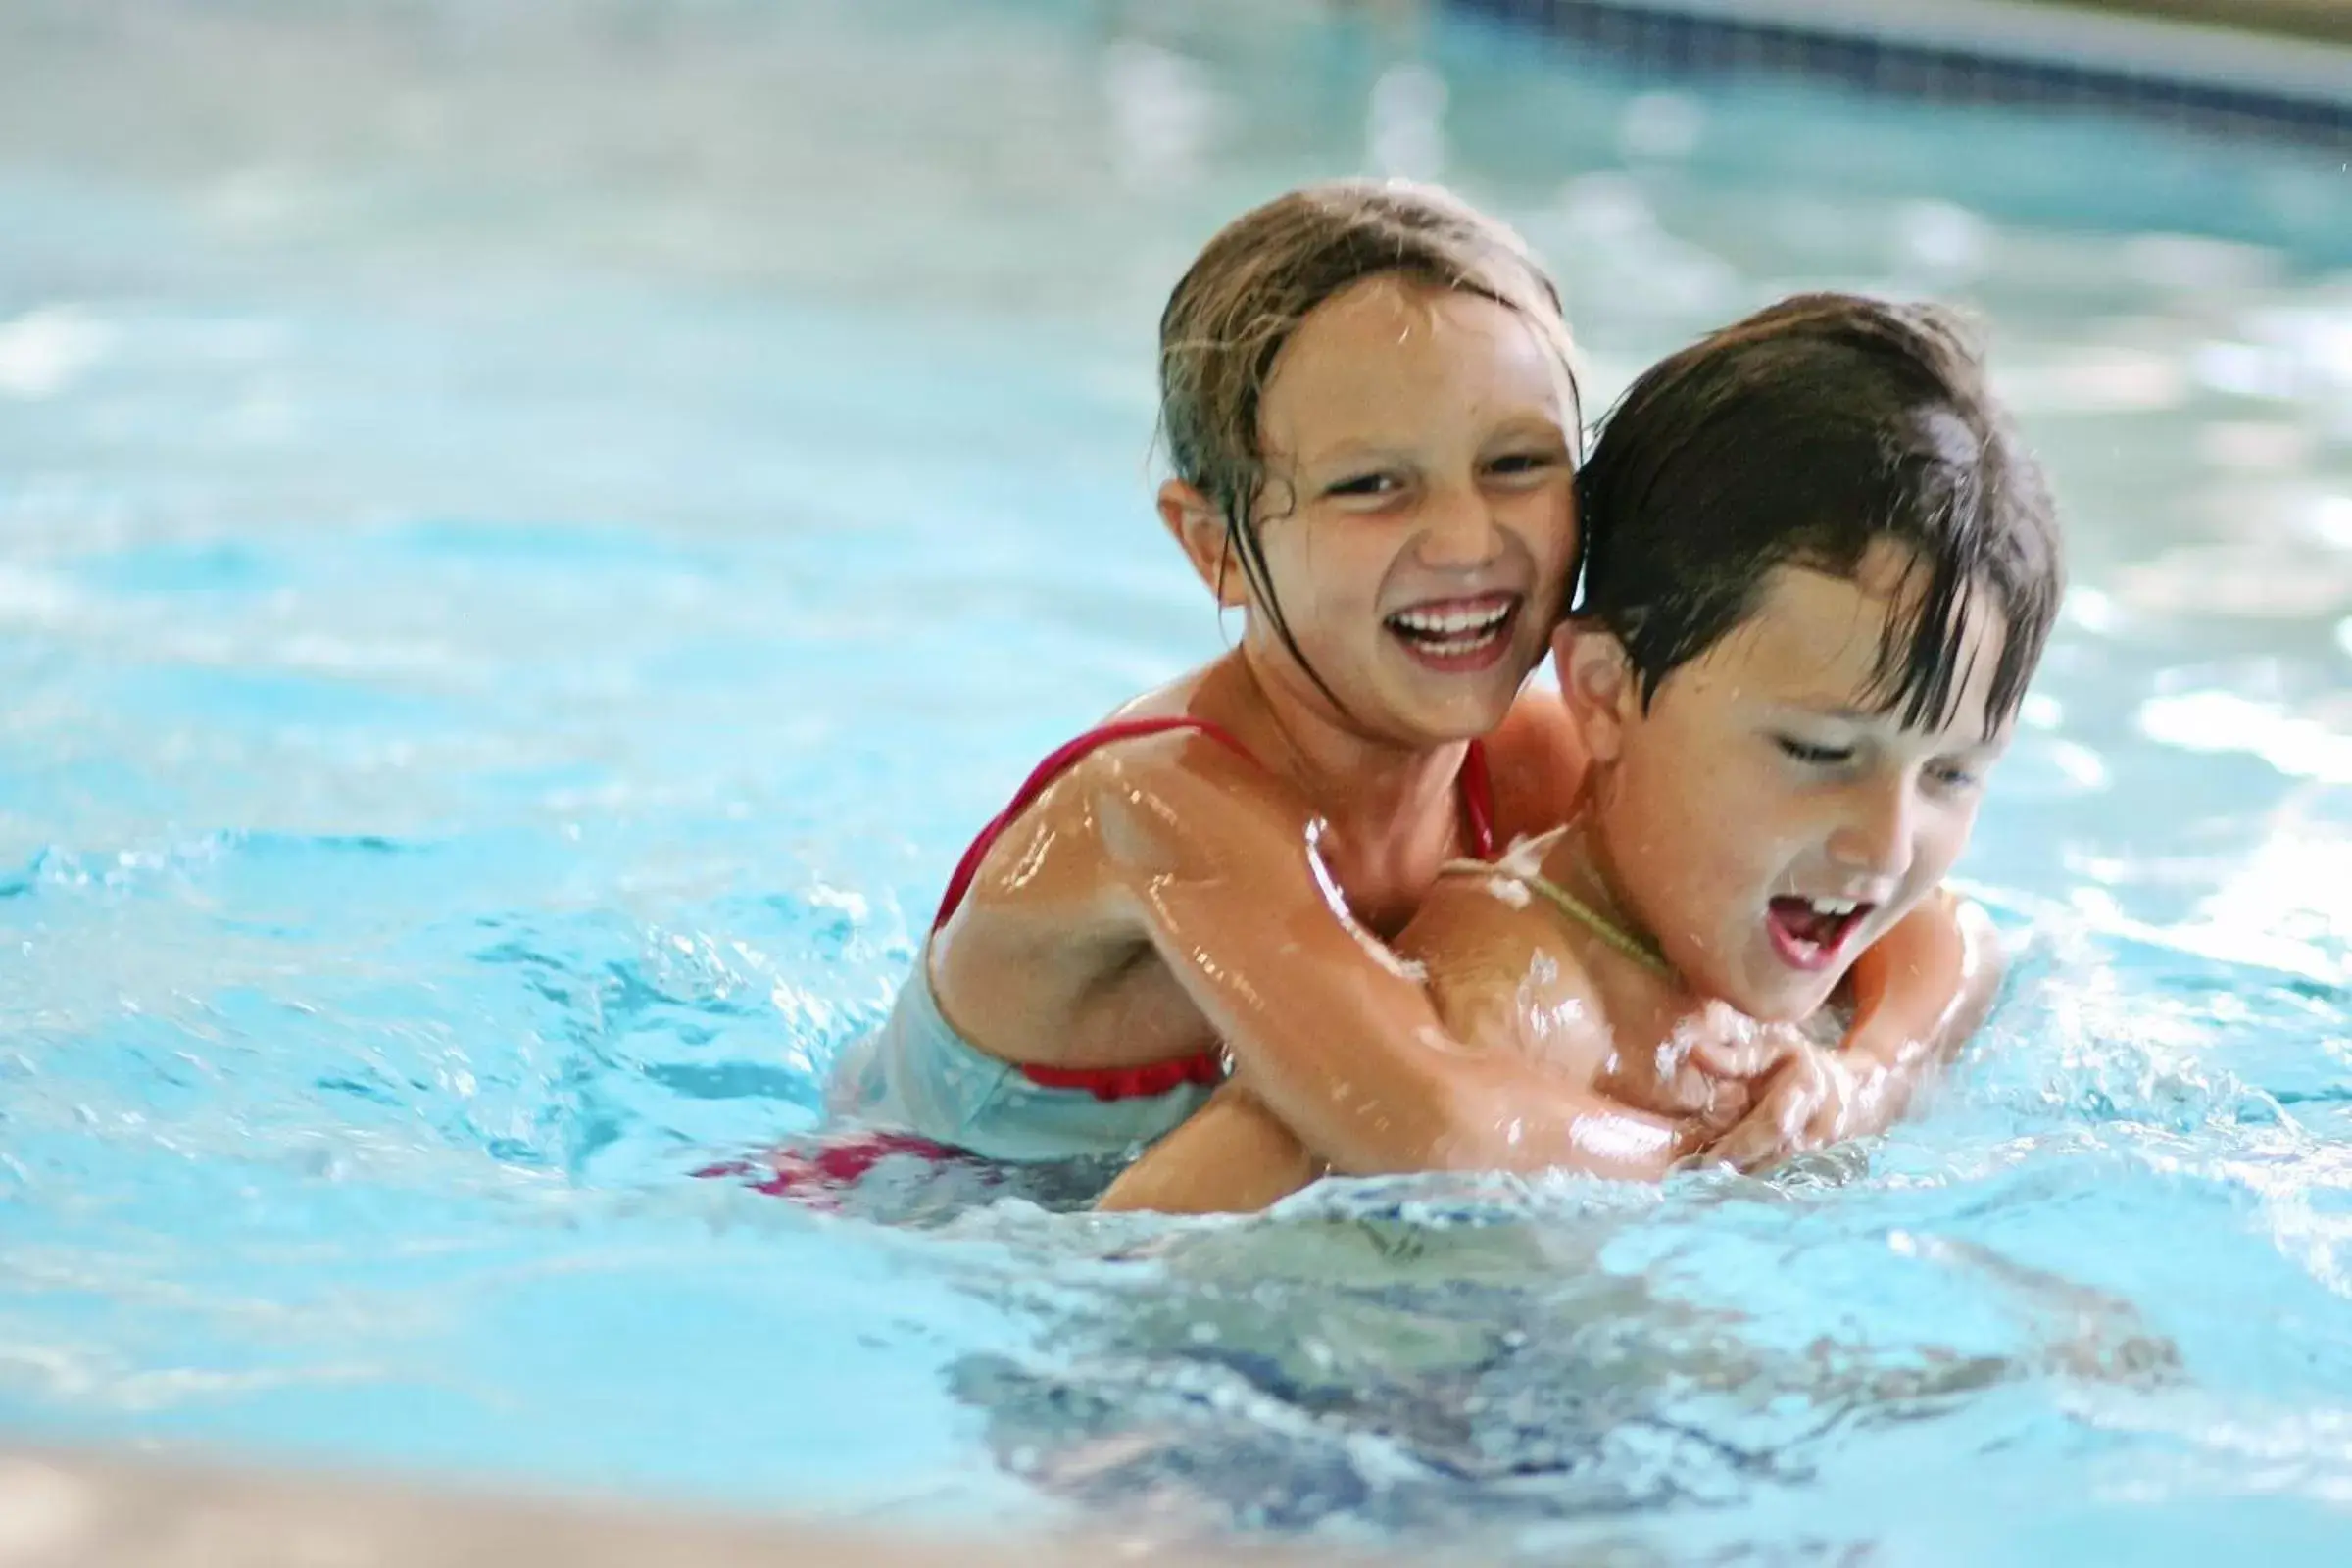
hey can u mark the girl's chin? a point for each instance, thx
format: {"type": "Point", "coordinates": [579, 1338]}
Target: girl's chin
{"type": "Point", "coordinates": [1429, 734]}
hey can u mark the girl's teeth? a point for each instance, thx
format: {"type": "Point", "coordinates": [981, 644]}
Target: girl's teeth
{"type": "Point", "coordinates": [1451, 622]}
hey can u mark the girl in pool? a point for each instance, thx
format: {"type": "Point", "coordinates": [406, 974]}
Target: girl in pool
{"type": "Point", "coordinates": [1368, 405]}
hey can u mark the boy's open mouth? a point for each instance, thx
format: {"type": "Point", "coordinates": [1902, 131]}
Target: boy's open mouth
{"type": "Point", "coordinates": [1457, 635]}
{"type": "Point", "coordinates": [1810, 932]}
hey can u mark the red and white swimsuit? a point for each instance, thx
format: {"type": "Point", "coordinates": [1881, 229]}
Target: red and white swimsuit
{"type": "Point", "coordinates": [916, 1073]}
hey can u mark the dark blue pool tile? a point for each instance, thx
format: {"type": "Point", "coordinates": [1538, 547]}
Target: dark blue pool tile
{"type": "Point", "coordinates": [1681, 41]}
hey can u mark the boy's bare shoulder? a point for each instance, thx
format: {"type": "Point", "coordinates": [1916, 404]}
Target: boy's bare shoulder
{"type": "Point", "coordinates": [1500, 969]}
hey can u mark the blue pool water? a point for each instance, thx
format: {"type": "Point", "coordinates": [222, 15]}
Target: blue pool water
{"type": "Point", "coordinates": [532, 539]}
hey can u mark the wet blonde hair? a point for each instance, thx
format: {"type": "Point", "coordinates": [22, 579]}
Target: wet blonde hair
{"type": "Point", "coordinates": [1235, 310]}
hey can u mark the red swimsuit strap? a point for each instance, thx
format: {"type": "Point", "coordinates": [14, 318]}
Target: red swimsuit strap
{"type": "Point", "coordinates": [1478, 801]}
{"type": "Point", "coordinates": [1208, 1067]}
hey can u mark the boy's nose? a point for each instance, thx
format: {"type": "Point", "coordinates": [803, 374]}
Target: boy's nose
{"type": "Point", "coordinates": [1875, 833]}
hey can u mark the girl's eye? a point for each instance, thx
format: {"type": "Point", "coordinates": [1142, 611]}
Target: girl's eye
{"type": "Point", "coordinates": [1811, 754]}
{"type": "Point", "coordinates": [1520, 464]}
{"type": "Point", "coordinates": [1366, 484]}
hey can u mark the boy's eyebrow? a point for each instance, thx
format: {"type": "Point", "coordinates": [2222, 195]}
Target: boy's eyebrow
{"type": "Point", "coordinates": [1842, 713]}
{"type": "Point", "coordinates": [1847, 714]}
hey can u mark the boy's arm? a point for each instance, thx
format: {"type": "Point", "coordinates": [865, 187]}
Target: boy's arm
{"type": "Point", "coordinates": [1920, 991]}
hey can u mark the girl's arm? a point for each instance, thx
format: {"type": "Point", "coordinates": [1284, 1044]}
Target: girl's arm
{"type": "Point", "coordinates": [1327, 1027]}
{"type": "Point", "coordinates": [1496, 970]}
{"type": "Point", "coordinates": [1231, 1156]}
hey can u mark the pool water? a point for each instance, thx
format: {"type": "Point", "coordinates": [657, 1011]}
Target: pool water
{"type": "Point", "coordinates": [534, 535]}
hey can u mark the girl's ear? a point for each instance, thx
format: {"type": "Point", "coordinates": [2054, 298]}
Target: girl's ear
{"type": "Point", "coordinates": [1597, 680]}
{"type": "Point", "coordinates": [1201, 533]}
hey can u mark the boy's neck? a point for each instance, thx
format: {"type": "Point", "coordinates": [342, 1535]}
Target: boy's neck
{"type": "Point", "coordinates": [1578, 863]}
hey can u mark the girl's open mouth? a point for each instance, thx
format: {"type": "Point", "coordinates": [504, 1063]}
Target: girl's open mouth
{"type": "Point", "coordinates": [1455, 636]}
{"type": "Point", "coordinates": [1812, 932]}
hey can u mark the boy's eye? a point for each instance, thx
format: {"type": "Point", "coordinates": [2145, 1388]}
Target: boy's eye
{"type": "Point", "coordinates": [1953, 776]}
{"type": "Point", "coordinates": [1815, 756]}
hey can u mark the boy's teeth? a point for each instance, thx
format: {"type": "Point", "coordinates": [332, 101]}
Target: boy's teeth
{"type": "Point", "coordinates": [1811, 925]}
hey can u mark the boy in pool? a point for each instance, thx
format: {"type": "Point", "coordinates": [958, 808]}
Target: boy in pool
{"type": "Point", "coordinates": [1368, 406]}
{"type": "Point", "coordinates": [1819, 572]}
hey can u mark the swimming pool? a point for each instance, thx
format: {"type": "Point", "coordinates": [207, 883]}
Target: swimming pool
{"type": "Point", "coordinates": [532, 541]}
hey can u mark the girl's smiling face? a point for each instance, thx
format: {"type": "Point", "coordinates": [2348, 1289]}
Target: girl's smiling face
{"type": "Point", "coordinates": [1767, 820]}
{"type": "Point", "coordinates": [1418, 513]}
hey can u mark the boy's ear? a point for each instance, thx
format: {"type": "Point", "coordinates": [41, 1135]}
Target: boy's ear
{"type": "Point", "coordinates": [1201, 533]}
{"type": "Point", "coordinates": [1597, 680]}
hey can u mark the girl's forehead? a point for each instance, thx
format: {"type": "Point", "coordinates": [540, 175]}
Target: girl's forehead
{"type": "Point", "coordinates": [1387, 358]}
{"type": "Point", "coordinates": [1401, 327]}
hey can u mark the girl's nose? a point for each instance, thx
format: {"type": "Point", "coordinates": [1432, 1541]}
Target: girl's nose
{"type": "Point", "coordinates": [1460, 532]}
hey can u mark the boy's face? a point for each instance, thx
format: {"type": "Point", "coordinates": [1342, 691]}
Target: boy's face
{"type": "Point", "coordinates": [1762, 820]}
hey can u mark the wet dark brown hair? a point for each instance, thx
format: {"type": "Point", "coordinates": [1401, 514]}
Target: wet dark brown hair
{"type": "Point", "coordinates": [1233, 312]}
{"type": "Point", "coordinates": [1799, 437]}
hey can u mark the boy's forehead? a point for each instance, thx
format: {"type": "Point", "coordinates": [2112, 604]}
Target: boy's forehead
{"type": "Point", "coordinates": [1809, 636]}
{"type": "Point", "coordinates": [1820, 640]}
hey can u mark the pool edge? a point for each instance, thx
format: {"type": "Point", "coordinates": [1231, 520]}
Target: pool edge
{"type": "Point", "coordinates": [64, 1508]}
{"type": "Point", "coordinates": [2016, 52]}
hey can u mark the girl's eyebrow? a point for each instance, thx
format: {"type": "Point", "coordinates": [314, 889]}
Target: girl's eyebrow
{"type": "Point", "coordinates": [1347, 454]}
{"type": "Point", "coordinates": [1354, 450]}
{"type": "Point", "coordinates": [1530, 421]}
